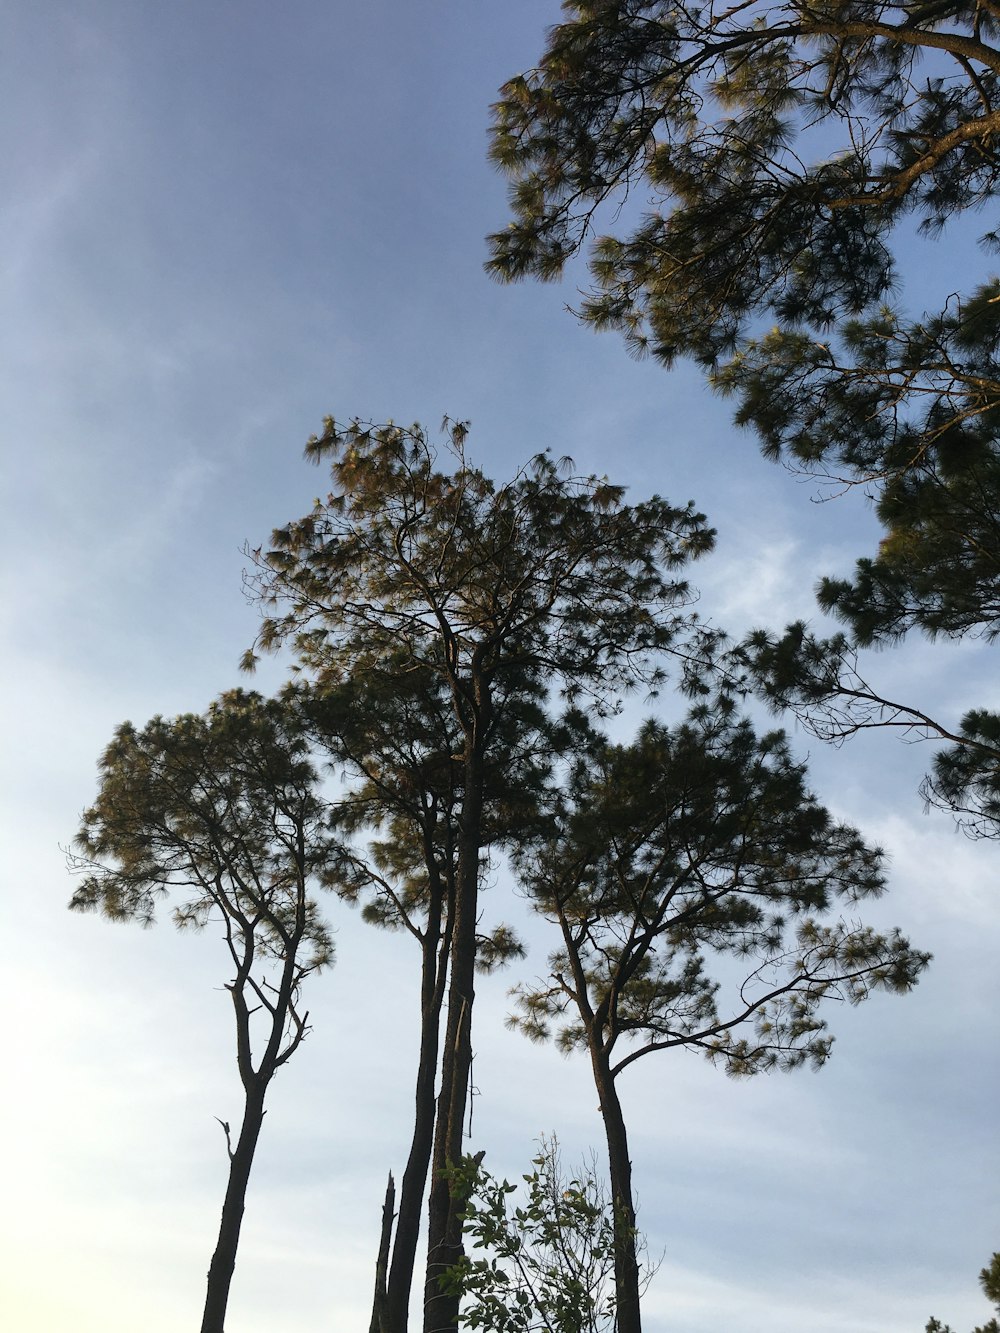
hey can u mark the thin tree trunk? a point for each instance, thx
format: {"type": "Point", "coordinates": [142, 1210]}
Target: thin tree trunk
{"type": "Point", "coordinates": [414, 1182]}
{"type": "Point", "coordinates": [629, 1319]}
{"type": "Point", "coordinates": [444, 1226]}
{"type": "Point", "coordinates": [444, 1222]}
{"type": "Point", "coordinates": [379, 1303]}
{"type": "Point", "coordinates": [220, 1273]}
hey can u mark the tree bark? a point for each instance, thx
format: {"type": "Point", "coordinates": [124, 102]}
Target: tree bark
{"type": "Point", "coordinates": [444, 1222]}
{"type": "Point", "coordinates": [414, 1182]}
{"type": "Point", "coordinates": [444, 1227]}
{"type": "Point", "coordinates": [629, 1319]}
{"type": "Point", "coordinates": [220, 1273]}
{"type": "Point", "coordinates": [378, 1322]}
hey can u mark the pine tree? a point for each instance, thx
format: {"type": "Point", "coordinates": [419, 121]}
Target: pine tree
{"type": "Point", "coordinates": [221, 813]}
{"type": "Point", "coordinates": [695, 882]}
{"type": "Point", "coordinates": [502, 594]}
{"type": "Point", "coordinates": [782, 146]}
{"type": "Point", "coordinates": [392, 731]}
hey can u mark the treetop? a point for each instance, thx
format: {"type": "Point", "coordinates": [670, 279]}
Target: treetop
{"type": "Point", "coordinates": [550, 573]}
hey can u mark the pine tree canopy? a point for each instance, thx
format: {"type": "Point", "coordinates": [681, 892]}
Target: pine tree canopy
{"type": "Point", "coordinates": [425, 605]}
{"type": "Point", "coordinates": [220, 812]}
{"type": "Point", "coordinates": [696, 883]}
{"type": "Point", "coordinates": [436, 617]}
{"type": "Point", "coordinates": [548, 579]}
{"type": "Point", "coordinates": [777, 147]}
{"type": "Point", "coordinates": [222, 805]}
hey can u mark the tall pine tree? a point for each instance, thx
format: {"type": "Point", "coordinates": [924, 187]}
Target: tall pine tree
{"type": "Point", "coordinates": [221, 813]}
{"type": "Point", "coordinates": [777, 149]}
{"type": "Point", "coordinates": [696, 884]}
{"type": "Point", "coordinates": [503, 594]}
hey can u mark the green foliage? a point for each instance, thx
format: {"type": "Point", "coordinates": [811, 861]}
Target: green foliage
{"type": "Point", "coordinates": [989, 1280]}
{"type": "Point", "coordinates": [779, 145]}
{"type": "Point", "coordinates": [220, 812]}
{"type": "Point", "coordinates": [821, 681]}
{"type": "Point", "coordinates": [541, 1260]}
{"type": "Point", "coordinates": [695, 882]}
{"type": "Point", "coordinates": [547, 579]}
{"type": "Point", "coordinates": [779, 142]}
{"type": "Point", "coordinates": [224, 805]}
{"type": "Point", "coordinates": [428, 607]}
{"type": "Point", "coordinates": [435, 615]}
{"type": "Point", "coordinates": [392, 733]}
{"type": "Point", "coordinates": [691, 875]}
{"type": "Point", "coordinates": [965, 777]}
{"type": "Point", "coordinates": [935, 471]}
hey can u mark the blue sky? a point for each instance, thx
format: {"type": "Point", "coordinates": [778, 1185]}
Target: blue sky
{"type": "Point", "coordinates": [221, 222]}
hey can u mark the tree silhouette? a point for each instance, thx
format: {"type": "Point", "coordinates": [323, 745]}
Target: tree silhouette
{"type": "Point", "coordinates": [503, 594]}
{"type": "Point", "coordinates": [695, 881]}
{"type": "Point", "coordinates": [221, 813]}
{"type": "Point", "coordinates": [780, 145]}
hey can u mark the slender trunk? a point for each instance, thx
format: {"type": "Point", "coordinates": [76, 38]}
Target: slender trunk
{"type": "Point", "coordinates": [444, 1221]}
{"type": "Point", "coordinates": [378, 1322]}
{"type": "Point", "coordinates": [220, 1273]}
{"type": "Point", "coordinates": [444, 1225]}
{"type": "Point", "coordinates": [629, 1319]}
{"type": "Point", "coordinates": [414, 1182]}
